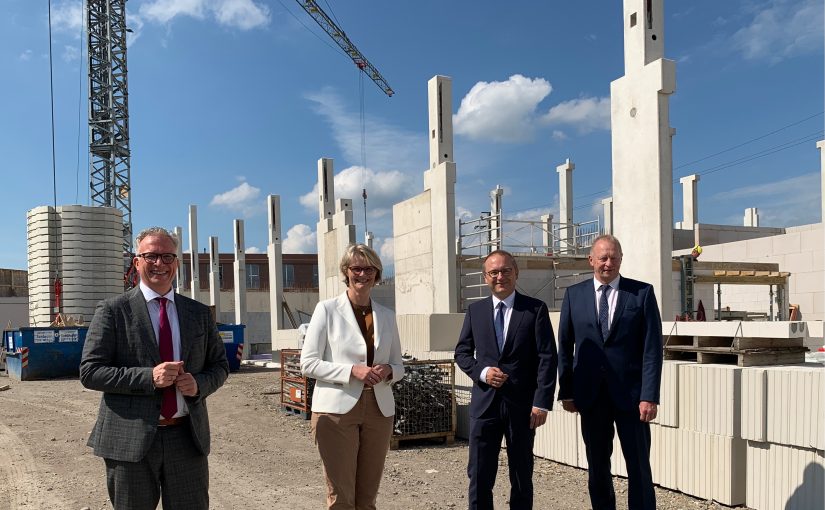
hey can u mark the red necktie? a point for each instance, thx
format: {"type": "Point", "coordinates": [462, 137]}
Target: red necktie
{"type": "Point", "coordinates": [169, 406]}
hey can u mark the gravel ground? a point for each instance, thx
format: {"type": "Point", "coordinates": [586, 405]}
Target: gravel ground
{"type": "Point", "coordinates": [262, 457]}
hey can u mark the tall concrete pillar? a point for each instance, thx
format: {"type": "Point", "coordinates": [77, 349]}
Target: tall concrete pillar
{"type": "Point", "coordinates": [178, 233]}
{"type": "Point", "coordinates": [641, 151]}
{"type": "Point", "coordinates": [821, 146]}
{"type": "Point", "coordinates": [240, 277]}
{"type": "Point", "coordinates": [214, 275]}
{"type": "Point", "coordinates": [547, 233]}
{"type": "Point", "coordinates": [195, 282]}
{"type": "Point", "coordinates": [751, 217]}
{"type": "Point", "coordinates": [369, 239]}
{"type": "Point", "coordinates": [496, 233]}
{"type": "Point", "coordinates": [440, 93]}
{"type": "Point", "coordinates": [607, 206]}
{"type": "Point", "coordinates": [690, 203]}
{"type": "Point", "coordinates": [276, 263]}
{"type": "Point", "coordinates": [566, 228]}
{"type": "Point", "coordinates": [326, 208]}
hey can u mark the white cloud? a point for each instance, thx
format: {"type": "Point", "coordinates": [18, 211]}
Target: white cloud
{"type": "Point", "coordinates": [242, 14]}
{"type": "Point", "coordinates": [559, 135]}
{"type": "Point", "coordinates": [783, 29]}
{"type": "Point", "coordinates": [387, 251]}
{"type": "Point", "coordinates": [586, 114]}
{"type": "Point", "coordinates": [787, 202]}
{"type": "Point", "coordinates": [26, 55]}
{"type": "Point", "coordinates": [300, 239]}
{"type": "Point", "coordinates": [254, 250]}
{"type": "Point", "coordinates": [242, 198]}
{"type": "Point", "coordinates": [387, 146]}
{"type": "Point", "coordinates": [501, 111]}
{"type": "Point", "coordinates": [384, 189]}
{"type": "Point", "coordinates": [68, 16]}
{"type": "Point", "coordinates": [71, 53]}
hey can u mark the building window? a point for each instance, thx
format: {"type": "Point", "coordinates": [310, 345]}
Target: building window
{"type": "Point", "coordinates": [315, 275]}
{"type": "Point", "coordinates": [253, 276]}
{"type": "Point", "coordinates": [289, 276]}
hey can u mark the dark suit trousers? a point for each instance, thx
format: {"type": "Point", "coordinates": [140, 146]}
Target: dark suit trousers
{"type": "Point", "coordinates": [501, 419]}
{"type": "Point", "coordinates": [174, 469]}
{"type": "Point", "coordinates": [597, 431]}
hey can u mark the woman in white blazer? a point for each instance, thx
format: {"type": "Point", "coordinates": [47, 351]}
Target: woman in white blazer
{"type": "Point", "coordinates": [353, 352]}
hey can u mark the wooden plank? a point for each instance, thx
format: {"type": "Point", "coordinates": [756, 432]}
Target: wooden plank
{"type": "Point", "coordinates": [747, 273]}
{"type": "Point", "coordinates": [762, 273]}
{"type": "Point", "coordinates": [396, 442]}
{"type": "Point", "coordinates": [701, 265]}
{"type": "Point", "coordinates": [741, 280]}
{"type": "Point", "coordinates": [770, 343]}
{"type": "Point", "coordinates": [742, 358]}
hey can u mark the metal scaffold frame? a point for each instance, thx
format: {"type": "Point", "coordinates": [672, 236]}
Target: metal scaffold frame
{"type": "Point", "coordinates": [109, 154]}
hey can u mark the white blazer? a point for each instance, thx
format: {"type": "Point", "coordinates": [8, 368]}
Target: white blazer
{"type": "Point", "coordinates": [334, 343]}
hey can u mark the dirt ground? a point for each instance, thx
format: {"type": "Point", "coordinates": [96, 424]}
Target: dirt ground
{"type": "Point", "coordinates": [262, 457]}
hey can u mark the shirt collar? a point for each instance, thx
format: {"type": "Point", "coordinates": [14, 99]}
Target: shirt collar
{"type": "Point", "coordinates": [613, 285]}
{"type": "Point", "coordinates": [509, 300]}
{"type": "Point", "coordinates": [149, 294]}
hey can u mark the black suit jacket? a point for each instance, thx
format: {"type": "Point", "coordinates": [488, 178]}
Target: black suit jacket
{"type": "Point", "coordinates": [629, 359]}
{"type": "Point", "coordinates": [118, 357]}
{"type": "Point", "coordinates": [529, 357]}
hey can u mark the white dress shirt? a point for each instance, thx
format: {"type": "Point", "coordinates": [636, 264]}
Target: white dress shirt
{"type": "Point", "coordinates": [172, 314]}
{"type": "Point", "coordinates": [612, 298]}
{"type": "Point", "coordinates": [508, 312]}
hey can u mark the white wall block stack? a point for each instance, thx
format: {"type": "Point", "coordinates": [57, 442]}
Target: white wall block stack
{"type": "Point", "coordinates": [711, 467]}
{"type": "Point", "coordinates": [668, 413]}
{"type": "Point", "coordinates": [753, 404]}
{"type": "Point", "coordinates": [795, 407]}
{"type": "Point", "coordinates": [617, 464]}
{"type": "Point", "coordinates": [784, 478]}
{"type": "Point", "coordinates": [84, 247]}
{"type": "Point", "coordinates": [709, 399]}
{"type": "Point", "coordinates": [664, 444]}
{"type": "Point", "coordinates": [556, 439]}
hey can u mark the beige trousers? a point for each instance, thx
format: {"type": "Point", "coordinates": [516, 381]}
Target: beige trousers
{"type": "Point", "coordinates": [353, 447]}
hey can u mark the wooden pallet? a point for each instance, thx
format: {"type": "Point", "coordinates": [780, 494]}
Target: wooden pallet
{"type": "Point", "coordinates": [297, 411]}
{"type": "Point", "coordinates": [447, 438]}
{"type": "Point", "coordinates": [739, 357]}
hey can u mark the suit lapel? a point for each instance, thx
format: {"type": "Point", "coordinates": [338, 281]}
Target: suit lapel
{"type": "Point", "coordinates": [184, 316]}
{"type": "Point", "coordinates": [139, 311]}
{"type": "Point", "coordinates": [516, 315]}
{"type": "Point", "coordinates": [621, 301]}
{"type": "Point", "coordinates": [345, 309]}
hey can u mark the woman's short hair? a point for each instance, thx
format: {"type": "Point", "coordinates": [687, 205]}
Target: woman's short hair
{"type": "Point", "coordinates": [364, 251]}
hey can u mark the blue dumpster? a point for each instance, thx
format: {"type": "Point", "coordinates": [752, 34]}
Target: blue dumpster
{"type": "Point", "coordinates": [43, 353]}
{"type": "Point", "coordinates": [232, 336]}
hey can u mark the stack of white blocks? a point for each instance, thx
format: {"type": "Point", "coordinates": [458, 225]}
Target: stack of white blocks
{"type": "Point", "coordinates": [81, 244]}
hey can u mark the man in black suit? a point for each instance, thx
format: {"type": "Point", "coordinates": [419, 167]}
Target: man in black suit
{"type": "Point", "coordinates": [610, 369]}
{"type": "Point", "coordinates": [507, 348]}
{"type": "Point", "coordinates": [156, 356]}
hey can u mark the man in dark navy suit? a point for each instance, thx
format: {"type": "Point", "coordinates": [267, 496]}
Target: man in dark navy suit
{"type": "Point", "coordinates": [507, 348]}
{"type": "Point", "coordinates": [610, 368]}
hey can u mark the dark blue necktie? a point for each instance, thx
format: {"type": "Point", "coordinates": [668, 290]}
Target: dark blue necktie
{"type": "Point", "coordinates": [604, 311]}
{"type": "Point", "coordinates": [499, 323]}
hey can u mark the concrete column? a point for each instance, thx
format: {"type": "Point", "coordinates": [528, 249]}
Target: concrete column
{"type": "Point", "coordinates": [214, 275]}
{"type": "Point", "coordinates": [642, 151]}
{"type": "Point", "coordinates": [441, 183]}
{"type": "Point", "coordinates": [690, 203]}
{"type": "Point", "coordinates": [547, 233]}
{"type": "Point", "coordinates": [276, 270]}
{"type": "Point", "coordinates": [496, 234]}
{"type": "Point", "coordinates": [195, 283]}
{"type": "Point", "coordinates": [607, 205]}
{"type": "Point", "coordinates": [326, 208]}
{"type": "Point", "coordinates": [240, 278]}
{"type": "Point", "coordinates": [342, 235]}
{"type": "Point", "coordinates": [178, 233]}
{"type": "Point", "coordinates": [369, 238]}
{"type": "Point", "coordinates": [440, 104]}
{"type": "Point", "coordinates": [821, 146]}
{"type": "Point", "coordinates": [566, 228]}
{"type": "Point", "coordinates": [751, 217]}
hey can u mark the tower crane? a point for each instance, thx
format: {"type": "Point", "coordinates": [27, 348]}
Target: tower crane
{"type": "Point", "coordinates": [340, 37]}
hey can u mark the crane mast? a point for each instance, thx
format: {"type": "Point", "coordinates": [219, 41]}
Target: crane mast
{"type": "Point", "coordinates": [109, 154]}
{"type": "Point", "coordinates": [340, 37]}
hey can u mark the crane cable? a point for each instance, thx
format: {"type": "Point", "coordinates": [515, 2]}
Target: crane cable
{"type": "Point", "coordinates": [363, 148]}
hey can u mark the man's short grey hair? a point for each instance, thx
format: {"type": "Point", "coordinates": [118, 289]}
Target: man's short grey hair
{"type": "Point", "coordinates": [156, 232]}
{"type": "Point", "coordinates": [608, 238]}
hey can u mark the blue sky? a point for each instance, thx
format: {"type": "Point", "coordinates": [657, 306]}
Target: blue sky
{"type": "Point", "coordinates": [232, 100]}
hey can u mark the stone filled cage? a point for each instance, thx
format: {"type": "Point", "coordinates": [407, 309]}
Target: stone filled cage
{"type": "Point", "coordinates": [425, 401]}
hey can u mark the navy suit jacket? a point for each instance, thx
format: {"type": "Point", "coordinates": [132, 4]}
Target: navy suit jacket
{"type": "Point", "coordinates": [529, 357]}
{"type": "Point", "coordinates": [629, 360]}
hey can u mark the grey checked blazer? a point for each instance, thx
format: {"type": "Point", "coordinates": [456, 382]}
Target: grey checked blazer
{"type": "Point", "coordinates": [118, 357]}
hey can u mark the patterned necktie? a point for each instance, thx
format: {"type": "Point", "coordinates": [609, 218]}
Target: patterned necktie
{"type": "Point", "coordinates": [604, 312]}
{"type": "Point", "coordinates": [169, 405]}
{"type": "Point", "coordinates": [499, 323]}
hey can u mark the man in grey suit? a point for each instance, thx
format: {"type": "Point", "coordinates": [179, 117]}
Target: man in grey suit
{"type": "Point", "coordinates": [156, 356]}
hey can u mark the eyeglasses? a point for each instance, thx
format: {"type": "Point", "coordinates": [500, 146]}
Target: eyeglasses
{"type": "Point", "coordinates": [368, 270]}
{"type": "Point", "coordinates": [166, 258]}
{"type": "Point", "coordinates": [495, 273]}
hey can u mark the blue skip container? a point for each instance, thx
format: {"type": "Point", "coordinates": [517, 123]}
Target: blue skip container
{"type": "Point", "coordinates": [232, 336]}
{"type": "Point", "coordinates": [43, 353]}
